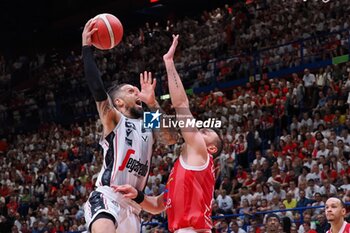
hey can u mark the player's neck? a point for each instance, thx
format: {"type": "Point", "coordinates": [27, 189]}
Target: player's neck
{"type": "Point", "coordinates": [336, 226]}
{"type": "Point", "coordinates": [129, 114]}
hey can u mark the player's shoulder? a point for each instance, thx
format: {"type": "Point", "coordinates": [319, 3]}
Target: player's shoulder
{"type": "Point", "coordinates": [346, 229]}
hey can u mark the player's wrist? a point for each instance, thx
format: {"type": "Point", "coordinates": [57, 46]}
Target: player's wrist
{"type": "Point", "coordinates": [140, 197]}
{"type": "Point", "coordinates": [86, 45]}
{"type": "Point", "coordinates": [168, 60]}
{"type": "Point", "coordinates": [153, 105]}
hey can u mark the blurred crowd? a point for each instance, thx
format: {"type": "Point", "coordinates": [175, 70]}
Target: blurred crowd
{"type": "Point", "coordinates": [286, 140]}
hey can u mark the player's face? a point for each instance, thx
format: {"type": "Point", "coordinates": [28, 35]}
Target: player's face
{"type": "Point", "coordinates": [272, 224]}
{"type": "Point", "coordinates": [334, 210]}
{"type": "Point", "coordinates": [131, 100]}
{"type": "Point", "coordinates": [209, 137]}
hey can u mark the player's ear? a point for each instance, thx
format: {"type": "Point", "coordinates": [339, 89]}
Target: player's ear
{"type": "Point", "coordinates": [118, 102]}
{"type": "Point", "coordinates": [212, 149]}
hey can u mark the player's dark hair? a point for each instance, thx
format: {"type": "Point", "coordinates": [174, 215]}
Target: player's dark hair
{"type": "Point", "coordinates": [341, 202]}
{"type": "Point", "coordinates": [114, 90]}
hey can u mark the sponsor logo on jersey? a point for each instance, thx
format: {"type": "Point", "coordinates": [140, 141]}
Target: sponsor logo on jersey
{"type": "Point", "coordinates": [137, 166]}
{"type": "Point", "coordinates": [168, 203]}
{"type": "Point", "coordinates": [128, 132]}
{"type": "Point", "coordinates": [144, 138]}
{"type": "Point", "coordinates": [128, 141]}
{"type": "Point", "coordinates": [129, 124]}
{"type": "Point", "coordinates": [133, 165]}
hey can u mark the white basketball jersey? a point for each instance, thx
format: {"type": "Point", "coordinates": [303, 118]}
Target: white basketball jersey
{"type": "Point", "coordinates": [127, 152]}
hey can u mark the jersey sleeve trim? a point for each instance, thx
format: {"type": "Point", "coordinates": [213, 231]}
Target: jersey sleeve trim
{"type": "Point", "coordinates": [194, 168]}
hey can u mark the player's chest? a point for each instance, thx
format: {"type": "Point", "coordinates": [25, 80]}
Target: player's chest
{"type": "Point", "coordinates": [134, 134]}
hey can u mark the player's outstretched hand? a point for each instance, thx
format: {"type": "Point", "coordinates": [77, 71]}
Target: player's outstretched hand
{"type": "Point", "coordinates": [127, 190]}
{"type": "Point", "coordinates": [170, 54]}
{"type": "Point", "coordinates": [88, 31]}
{"type": "Point", "coordinates": [147, 88]}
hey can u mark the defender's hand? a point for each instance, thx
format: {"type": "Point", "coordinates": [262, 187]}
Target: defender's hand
{"type": "Point", "coordinates": [170, 54]}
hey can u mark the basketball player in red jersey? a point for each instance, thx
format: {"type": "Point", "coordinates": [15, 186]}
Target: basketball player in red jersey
{"type": "Point", "coordinates": [127, 146]}
{"type": "Point", "coordinates": [190, 187]}
{"type": "Point", "coordinates": [335, 213]}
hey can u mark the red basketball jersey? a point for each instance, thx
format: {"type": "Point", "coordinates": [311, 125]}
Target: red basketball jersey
{"type": "Point", "coordinates": [188, 195]}
{"type": "Point", "coordinates": [344, 229]}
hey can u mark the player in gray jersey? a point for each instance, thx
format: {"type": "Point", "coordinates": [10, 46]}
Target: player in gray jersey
{"type": "Point", "coordinates": [127, 146]}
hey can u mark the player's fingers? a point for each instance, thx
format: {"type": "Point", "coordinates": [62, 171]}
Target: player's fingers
{"type": "Point", "coordinates": [154, 84]}
{"type": "Point", "coordinates": [146, 76]}
{"type": "Point", "coordinates": [129, 195]}
{"type": "Point", "coordinates": [92, 31]}
{"type": "Point", "coordinates": [91, 24]}
{"type": "Point", "coordinates": [121, 189]}
{"type": "Point", "coordinates": [142, 81]}
{"type": "Point", "coordinates": [150, 77]}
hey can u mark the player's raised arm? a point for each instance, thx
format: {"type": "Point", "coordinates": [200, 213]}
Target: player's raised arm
{"type": "Point", "coordinates": [107, 112]}
{"type": "Point", "coordinates": [195, 144]}
{"type": "Point", "coordinates": [150, 204]}
{"type": "Point", "coordinates": [148, 85]}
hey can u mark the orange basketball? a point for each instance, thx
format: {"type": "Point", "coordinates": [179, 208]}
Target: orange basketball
{"type": "Point", "coordinates": [109, 33]}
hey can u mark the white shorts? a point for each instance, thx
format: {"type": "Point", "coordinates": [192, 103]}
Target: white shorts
{"type": "Point", "coordinates": [191, 230]}
{"type": "Point", "coordinates": [105, 200]}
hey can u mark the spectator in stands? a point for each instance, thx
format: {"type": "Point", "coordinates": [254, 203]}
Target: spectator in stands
{"type": "Point", "coordinates": [272, 223]}
{"type": "Point", "coordinates": [322, 225]}
{"type": "Point", "coordinates": [312, 189]}
{"type": "Point", "coordinates": [328, 188]}
{"type": "Point", "coordinates": [303, 201]}
{"type": "Point", "coordinates": [290, 202]}
{"type": "Point", "coordinates": [318, 202]}
{"type": "Point", "coordinates": [241, 151]}
{"type": "Point", "coordinates": [245, 195]}
{"type": "Point", "coordinates": [309, 224]}
{"type": "Point", "coordinates": [236, 228]}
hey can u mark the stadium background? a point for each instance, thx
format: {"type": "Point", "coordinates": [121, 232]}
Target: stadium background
{"type": "Point", "coordinates": [244, 63]}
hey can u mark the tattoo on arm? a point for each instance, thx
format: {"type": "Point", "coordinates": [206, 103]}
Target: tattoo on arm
{"type": "Point", "coordinates": [175, 79]}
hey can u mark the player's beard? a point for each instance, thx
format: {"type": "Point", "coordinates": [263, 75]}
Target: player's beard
{"type": "Point", "coordinates": [136, 112]}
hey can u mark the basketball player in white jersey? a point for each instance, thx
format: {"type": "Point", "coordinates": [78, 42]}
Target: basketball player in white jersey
{"type": "Point", "coordinates": [127, 146]}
